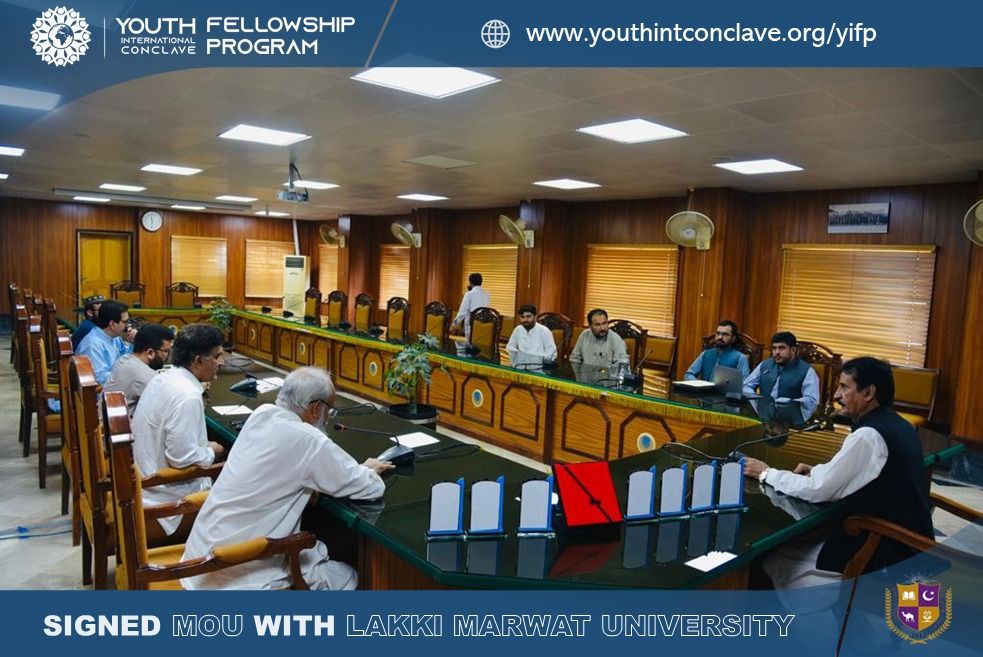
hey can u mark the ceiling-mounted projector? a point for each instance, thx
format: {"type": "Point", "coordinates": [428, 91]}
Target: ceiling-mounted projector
{"type": "Point", "coordinates": [292, 195]}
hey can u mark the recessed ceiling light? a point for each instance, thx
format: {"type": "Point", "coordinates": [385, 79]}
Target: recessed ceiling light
{"type": "Point", "coordinates": [236, 199]}
{"type": "Point", "coordinates": [179, 206]}
{"type": "Point", "coordinates": [633, 131]}
{"type": "Point", "coordinates": [754, 167]}
{"type": "Point", "coordinates": [271, 213]}
{"type": "Point", "coordinates": [93, 199]}
{"type": "Point", "coordinates": [422, 197]}
{"type": "Point", "coordinates": [12, 151]}
{"type": "Point", "coordinates": [566, 183]}
{"type": "Point", "coordinates": [28, 98]}
{"type": "Point", "coordinates": [4, 176]}
{"type": "Point", "coordinates": [243, 132]}
{"type": "Point", "coordinates": [432, 82]}
{"type": "Point", "coordinates": [168, 168]}
{"type": "Point", "coordinates": [122, 188]}
{"type": "Point", "coordinates": [311, 184]}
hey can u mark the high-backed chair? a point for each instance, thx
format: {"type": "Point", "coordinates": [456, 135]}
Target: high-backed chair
{"type": "Point", "coordinates": [486, 329]}
{"type": "Point", "coordinates": [141, 568]}
{"type": "Point", "coordinates": [312, 305]}
{"type": "Point", "coordinates": [25, 371]}
{"type": "Point", "coordinates": [71, 468]}
{"type": "Point", "coordinates": [827, 364]}
{"type": "Point", "coordinates": [129, 292]}
{"type": "Point", "coordinates": [363, 312]}
{"type": "Point", "coordinates": [634, 336]}
{"type": "Point", "coordinates": [337, 307]}
{"type": "Point", "coordinates": [914, 393]}
{"type": "Point", "coordinates": [29, 302]}
{"type": "Point", "coordinates": [182, 295]}
{"type": "Point", "coordinates": [437, 321]}
{"type": "Point", "coordinates": [49, 421]}
{"type": "Point", "coordinates": [660, 353]}
{"type": "Point", "coordinates": [397, 318]}
{"type": "Point", "coordinates": [15, 299]}
{"type": "Point", "coordinates": [561, 327]}
{"type": "Point", "coordinates": [49, 327]}
{"type": "Point", "coordinates": [745, 344]}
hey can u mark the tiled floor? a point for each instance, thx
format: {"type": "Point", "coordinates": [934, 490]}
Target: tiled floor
{"type": "Point", "coordinates": [47, 559]}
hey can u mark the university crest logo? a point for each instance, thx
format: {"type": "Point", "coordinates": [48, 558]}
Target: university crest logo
{"type": "Point", "coordinates": [60, 36]}
{"type": "Point", "coordinates": [918, 610]}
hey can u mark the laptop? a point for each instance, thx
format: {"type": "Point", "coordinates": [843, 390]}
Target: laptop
{"type": "Point", "coordinates": [730, 382]}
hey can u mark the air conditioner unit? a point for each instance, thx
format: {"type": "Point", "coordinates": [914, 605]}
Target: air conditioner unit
{"type": "Point", "coordinates": [296, 280]}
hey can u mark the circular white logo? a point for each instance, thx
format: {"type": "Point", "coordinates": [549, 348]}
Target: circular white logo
{"type": "Point", "coordinates": [495, 33]}
{"type": "Point", "coordinates": [60, 36]}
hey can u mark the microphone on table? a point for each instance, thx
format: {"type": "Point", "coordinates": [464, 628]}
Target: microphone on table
{"type": "Point", "coordinates": [775, 441]}
{"type": "Point", "coordinates": [398, 454]}
{"type": "Point", "coordinates": [246, 387]}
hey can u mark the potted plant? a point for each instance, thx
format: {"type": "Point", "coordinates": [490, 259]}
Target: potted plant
{"type": "Point", "coordinates": [407, 370]}
{"type": "Point", "coordinates": [220, 314]}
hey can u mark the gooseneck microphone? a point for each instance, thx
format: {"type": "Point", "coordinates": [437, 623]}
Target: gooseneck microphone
{"type": "Point", "coordinates": [398, 454]}
{"type": "Point", "coordinates": [774, 441]}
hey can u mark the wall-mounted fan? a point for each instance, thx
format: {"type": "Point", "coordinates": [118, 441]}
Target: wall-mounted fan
{"type": "Point", "coordinates": [516, 231]}
{"type": "Point", "coordinates": [973, 223]}
{"type": "Point", "coordinates": [331, 236]}
{"type": "Point", "coordinates": [406, 235]}
{"type": "Point", "coordinates": [690, 228]}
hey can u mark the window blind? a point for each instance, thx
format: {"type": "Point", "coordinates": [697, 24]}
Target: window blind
{"type": "Point", "coordinates": [202, 261]}
{"type": "Point", "coordinates": [859, 300]}
{"type": "Point", "coordinates": [498, 265]}
{"type": "Point", "coordinates": [634, 282]}
{"type": "Point", "coordinates": [327, 267]}
{"type": "Point", "coordinates": [394, 272]}
{"type": "Point", "coordinates": [264, 267]}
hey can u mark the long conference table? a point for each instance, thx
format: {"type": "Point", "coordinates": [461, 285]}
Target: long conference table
{"type": "Point", "coordinates": [394, 550]}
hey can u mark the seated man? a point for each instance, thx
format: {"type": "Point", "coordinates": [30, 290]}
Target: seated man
{"type": "Point", "coordinates": [169, 422]}
{"type": "Point", "coordinates": [281, 459]}
{"type": "Point", "coordinates": [132, 372]}
{"type": "Point", "coordinates": [597, 346]}
{"type": "Point", "coordinates": [110, 339]}
{"type": "Point", "coordinates": [784, 377]}
{"type": "Point", "coordinates": [878, 471]}
{"type": "Point", "coordinates": [531, 343]}
{"type": "Point", "coordinates": [722, 353]}
{"type": "Point", "coordinates": [90, 307]}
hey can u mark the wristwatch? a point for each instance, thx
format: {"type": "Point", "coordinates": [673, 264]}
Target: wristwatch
{"type": "Point", "coordinates": [764, 473]}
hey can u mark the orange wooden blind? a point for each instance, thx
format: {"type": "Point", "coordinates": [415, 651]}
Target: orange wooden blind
{"type": "Point", "coordinates": [202, 261]}
{"type": "Point", "coordinates": [394, 272]}
{"type": "Point", "coordinates": [497, 264]}
{"type": "Point", "coordinates": [859, 300]}
{"type": "Point", "coordinates": [634, 282]}
{"type": "Point", "coordinates": [264, 267]}
{"type": "Point", "coordinates": [327, 267]}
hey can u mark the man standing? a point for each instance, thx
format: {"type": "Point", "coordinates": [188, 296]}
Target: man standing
{"type": "Point", "coordinates": [90, 306]}
{"type": "Point", "coordinates": [473, 299]}
{"type": "Point", "coordinates": [784, 377]}
{"type": "Point", "coordinates": [597, 346]}
{"type": "Point", "coordinates": [110, 340]}
{"type": "Point", "coordinates": [530, 343]}
{"type": "Point", "coordinates": [281, 459]}
{"type": "Point", "coordinates": [722, 353]}
{"type": "Point", "coordinates": [879, 471]}
{"type": "Point", "coordinates": [169, 422]}
{"type": "Point", "coordinates": [132, 372]}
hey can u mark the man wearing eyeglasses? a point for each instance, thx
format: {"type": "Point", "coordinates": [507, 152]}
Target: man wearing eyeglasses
{"type": "Point", "coordinates": [169, 423]}
{"type": "Point", "coordinates": [132, 372]}
{"type": "Point", "coordinates": [282, 460]}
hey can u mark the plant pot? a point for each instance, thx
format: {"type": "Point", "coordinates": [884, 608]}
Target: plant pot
{"type": "Point", "coordinates": [425, 416]}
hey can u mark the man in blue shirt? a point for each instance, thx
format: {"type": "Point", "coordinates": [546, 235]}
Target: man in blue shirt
{"type": "Point", "coordinates": [90, 306]}
{"type": "Point", "coordinates": [784, 377]}
{"type": "Point", "coordinates": [722, 353]}
{"type": "Point", "coordinates": [105, 344]}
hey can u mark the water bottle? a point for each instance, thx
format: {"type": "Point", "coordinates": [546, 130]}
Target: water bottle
{"type": "Point", "coordinates": [622, 370]}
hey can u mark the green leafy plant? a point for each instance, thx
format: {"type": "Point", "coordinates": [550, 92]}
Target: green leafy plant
{"type": "Point", "coordinates": [220, 312]}
{"type": "Point", "coordinates": [409, 368]}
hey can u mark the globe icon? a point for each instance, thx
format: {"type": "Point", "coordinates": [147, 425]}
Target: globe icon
{"type": "Point", "coordinates": [495, 33]}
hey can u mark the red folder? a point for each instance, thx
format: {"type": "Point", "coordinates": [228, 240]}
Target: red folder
{"type": "Point", "coordinates": [587, 494]}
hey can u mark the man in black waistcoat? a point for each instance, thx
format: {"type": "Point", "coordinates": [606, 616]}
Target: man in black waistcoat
{"type": "Point", "coordinates": [879, 471]}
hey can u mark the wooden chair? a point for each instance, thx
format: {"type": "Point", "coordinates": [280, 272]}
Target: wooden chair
{"type": "Point", "coordinates": [49, 326]}
{"type": "Point", "coordinates": [140, 568]}
{"type": "Point", "coordinates": [660, 353]}
{"type": "Point", "coordinates": [745, 344]}
{"type": "Point", "coordinates": [48, 421]}
{"type": "Point", "coordinates": [337, 307]}
{"type": "Point", "coordinates": [312, 305]}
{"type": "Point", "coordinates": [71, 468]}
{"type": "Point", "coordinates": [827, 365]}
{"type": "Point", "coordinates": [129, 292]}
{"type": "Point", "coordinates": [15, 299]}
{"type": "Point", "coordinates": [25, 371]}
{"type": "Point", "coordinates": [182, 295]}
{"type": "Point", "coordinates": [363, 312]}
{"type": "Point", "coordinates": [914, 393]}
{"type": "Point", "coordinates": [397, 318]}
{"type": "Point", "coordinates": [437, 321]}
{"type": "Point", "coordinates": [29, 302]}
{"type": "Point", "coordinates": [561, 327]}
{"type": "Point", "coordinates": [635, 338]}
{"type": "Point", "coordinates": [486, 330]}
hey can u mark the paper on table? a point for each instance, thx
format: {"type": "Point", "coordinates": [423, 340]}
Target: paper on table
{"type": "Point", "coordinates": [710, 560]}
{"type": "Point", "coordinates": [694, 383]}
{"type": "Point", "coordinates": [232, 409]}
{"type": "Point", "coordinates": [415, 439]}
{"type": "Point", "coordinates": [270, 383]}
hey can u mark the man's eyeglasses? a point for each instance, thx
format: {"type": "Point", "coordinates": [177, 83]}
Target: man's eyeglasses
{"type": "Point", "coordinates": [332, 411]}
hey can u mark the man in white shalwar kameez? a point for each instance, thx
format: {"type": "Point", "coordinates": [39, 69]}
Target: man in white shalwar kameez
{"type": "Point", "coordinates": [531, 343]}
{"type": "Point", "coordinates": [281, 458]}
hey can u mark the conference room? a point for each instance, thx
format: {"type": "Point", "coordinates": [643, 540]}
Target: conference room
{"type": "Point", "coordinates": [330, 217]}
